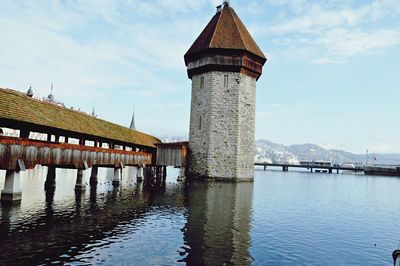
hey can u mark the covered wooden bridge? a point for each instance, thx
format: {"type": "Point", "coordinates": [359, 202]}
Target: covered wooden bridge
{"type": "Point", "coordinates": [72, 139]}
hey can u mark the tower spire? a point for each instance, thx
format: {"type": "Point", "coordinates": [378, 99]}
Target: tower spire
{"type": "Point", "coordinates": [50, 98]}
{"type": "Point", "coordinates": [29, 93]}
{"type": "Point", "coordinates": [132, 126]}
{"type": "Point", "coordinates": [93, 113]}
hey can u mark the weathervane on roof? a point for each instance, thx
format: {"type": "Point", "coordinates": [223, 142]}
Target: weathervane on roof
{"type": "Point", "coordinates": [219, 8]}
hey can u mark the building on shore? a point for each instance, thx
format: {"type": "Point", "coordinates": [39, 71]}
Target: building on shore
{"type": "Point", "coordinates": [224, 64]}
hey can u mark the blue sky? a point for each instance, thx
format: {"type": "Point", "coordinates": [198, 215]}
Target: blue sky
{"type": "Point", "coordinates": [332, 76]}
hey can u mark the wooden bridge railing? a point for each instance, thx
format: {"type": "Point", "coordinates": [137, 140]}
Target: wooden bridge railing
{"type": "Point", "coordinates": [33, 152]}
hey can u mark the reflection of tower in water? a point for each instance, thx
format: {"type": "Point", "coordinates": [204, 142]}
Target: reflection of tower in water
{"type": "Point", "coordinates": [218, 223]}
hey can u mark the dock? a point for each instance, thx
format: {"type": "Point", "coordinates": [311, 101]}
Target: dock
{"type": "Point", "coordinates": [311, 167]}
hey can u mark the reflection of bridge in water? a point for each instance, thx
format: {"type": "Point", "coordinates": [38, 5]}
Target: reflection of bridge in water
{"type": "Point", "coordinates": [77, 221]}
{"type": "Point", "coordinates": [74, 140]}
{"type": "Point", "coordinates": [214, 229]}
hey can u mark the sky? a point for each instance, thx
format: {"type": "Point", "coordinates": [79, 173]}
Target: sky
{"type": "Point", "coordinates": [332, 77]}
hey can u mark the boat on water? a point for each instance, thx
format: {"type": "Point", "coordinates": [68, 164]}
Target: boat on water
{"type": "Point", "coordinates": [349, 167]}
{"type": "Point", "coordinates": [380, 170]}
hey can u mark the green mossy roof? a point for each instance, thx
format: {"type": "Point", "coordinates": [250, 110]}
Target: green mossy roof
{"type": "Point", "coordinates": [17, 106]}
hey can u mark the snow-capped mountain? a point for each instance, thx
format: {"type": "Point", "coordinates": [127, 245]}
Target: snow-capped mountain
{"type": "Point", "coordinates": [267, 151]}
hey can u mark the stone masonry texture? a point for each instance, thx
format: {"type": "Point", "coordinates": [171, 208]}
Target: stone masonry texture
{"type": "Point", "coordinates": [222, 123]}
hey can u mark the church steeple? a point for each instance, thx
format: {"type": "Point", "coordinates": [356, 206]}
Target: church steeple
{"type": "Point", "coordinates": [51, 98]}
{"type": "Point", "coordinates": [93, 113]}
{"type": "Point", "coordinates": [29, 93]}
{"type": "Point", "coordinates": [132, 126]}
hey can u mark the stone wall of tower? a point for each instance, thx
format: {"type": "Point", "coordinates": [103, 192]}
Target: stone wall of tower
{"type": "Point", "coordinates": [222, 122]}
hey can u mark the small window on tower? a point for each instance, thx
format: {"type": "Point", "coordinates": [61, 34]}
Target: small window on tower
{"type": "Point", "coordinates": [201, 82]}
{"type": "Point", "coordinates": [225, 81]}
{"type": "Point", "coordinates": [200, 123]}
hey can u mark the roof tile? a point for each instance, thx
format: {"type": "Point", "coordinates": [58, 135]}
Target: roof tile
{"type": "Point", "coordinates": [17, 106]}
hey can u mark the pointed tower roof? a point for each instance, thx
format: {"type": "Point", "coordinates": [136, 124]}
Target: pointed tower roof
{"type": "Point", "coordinates": [225, 31]}
{"type": "Point", "coordinates": [132, 126]}
{"type": "Point", "coordinates": [225, 45]}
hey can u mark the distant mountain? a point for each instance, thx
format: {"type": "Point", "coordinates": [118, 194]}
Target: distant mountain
{"type": "Point", "coordinates": [167, 138]}
{"type": "Point", "coordinates": [267, 151]}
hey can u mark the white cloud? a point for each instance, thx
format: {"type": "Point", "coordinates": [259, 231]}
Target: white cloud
{"type": "Point", "coordinates": [92, 46]}
{"type": "Point", "coordinates": [341, 44]}
{"type": "Point", "coordinates": [318, 19]}
{"type": "Point", "coordinates": [330, 32]}
{"type": "Point", "coordinates": [108, 52]}
{"type": "Point", "coordinates": [296, 6]}
{"type": "Point", "coordinates": [131, 52]}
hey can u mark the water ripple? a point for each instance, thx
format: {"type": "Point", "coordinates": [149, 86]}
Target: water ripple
{"type": "Point", "coordinates": [282, 219]}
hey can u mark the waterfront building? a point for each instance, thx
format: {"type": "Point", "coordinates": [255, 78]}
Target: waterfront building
{"type": "Point", "coordinates": [224, 64]}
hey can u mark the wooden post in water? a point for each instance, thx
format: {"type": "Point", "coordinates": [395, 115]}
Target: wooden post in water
{"type": "Point", "coordinates": [79, 186]}
{"type": "Point", "coordinates": [116, 177]}
{"type": "Point", "coordinates": [50, 182]}
{"type": "Point", "coordinates": [93, 175]}
{"type": "Point", "coordinates": [164, 173]}
{"type": "Point", "coordinates": [139, 173]}
{"type": "Point", "coordinates": [158, 175]}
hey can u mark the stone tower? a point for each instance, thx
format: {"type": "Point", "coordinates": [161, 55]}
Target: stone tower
{"type": "Point", "coordinates": [224, 64]}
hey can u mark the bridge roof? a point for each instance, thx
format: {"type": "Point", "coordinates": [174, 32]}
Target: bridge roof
{"type": "Point", "coordinates": [22, 110]}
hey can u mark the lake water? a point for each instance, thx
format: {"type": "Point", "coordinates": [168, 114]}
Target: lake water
{"type": "Point", "coordinates": [283, 218]}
